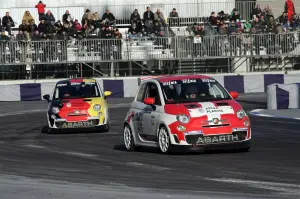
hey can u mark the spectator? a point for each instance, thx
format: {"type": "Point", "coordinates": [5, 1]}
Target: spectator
{"type": "Point", "coordinates": [32, 27]}
{"type": "Point", "coordinates": [3, 37]}
{"type": "Point", "coordinates": [135, 17]}
{"type": "Point", "coordinates": [77, 25]}
{"type": "Point", "coordinates": [118, 35]}
{"type": "Point", "coordinates": [109, 18]}
{"type": "Point", "coordinates": [247, 27]}
{"type": "Point", "coordinates": [134, 31]}
{"type": "Point", "coordinates": [159, 17]}
{"type": "Point", "coordinates": [295, 21]}
{"type": "Point", "coordinates": [267, 12]}
{"type": "Point", "coordinates": [232, 28]}
{"type": "Point", "coordinates": [67, 18]}
{"type": "Point", "coordinates": [42, 27]}
{"type": "Point", "coordinates": [41, 9]}
{"type": "Point", "coordinates": [222, 16]}
{"type": "Point", "coordinates": [222, 29]}
{"type": "Point", "coordinates": [86, 18]}
{"type": "Point", "coordinates": [49, 18]}
{"type": "Point", "coordinates": [256, 11]}
{"type": "Point", "coordinates": [283, 19]}
{"type": "Point", "coordinates": [7, 23]}
{"type": "Point", "coordinates": [289, 8]}
{"type": "Point", "coordinates": [213, 19]}
{"type": "Point", "coordinates": [23, 27]}
{"type": "Point", "coordinates": [106, 33]}
{"type": "Point", "coordinates": [173, 18]}
{"type": "Point", "coordinates": [235, 16]}
{"type": "Point", "coordinates": [271, 24]}
{"type": "Point", "coordinates": [148, 20]}
{"type": "Point", "coordinates": [27, 17]}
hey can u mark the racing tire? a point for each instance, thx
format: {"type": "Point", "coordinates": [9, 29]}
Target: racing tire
{"type": "Point", "coordinates": [164, 141]}
{"type": "Point", "coordinates": [128, 138]}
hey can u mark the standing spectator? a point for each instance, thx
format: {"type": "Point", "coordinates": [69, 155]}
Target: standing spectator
{"type": "Point", "coordinates": [7, 23]}
{"type": "Point", "coordinates": [235, 15]}
{"type": "Point", "coordinates": [295, 21]}
{"type": "Point", "coordinates": [109, 18]}
{"type": "Point", "coordinates": [159, 17]}
{"type": "Point", "coordinates": [256, 11]}
{"type": "Point", "coordinates": [289, 8]}
{"type": "Point", "coordinates": [283, 19]}
{"type": "Point", "coordinates": [174, 18]}
{"type": "Point", "coordinates": [67, 17]}
{"type": "Point", "coordinates": [41, 9]}
{"type": "Point", "coordinates": [49, 18]}
{"type": "Point", "coordinates": [148, 20]}
{"type": "Point", "coordinates": [27, 17]}
{"type": "Point", "coordinates": [86, 19]}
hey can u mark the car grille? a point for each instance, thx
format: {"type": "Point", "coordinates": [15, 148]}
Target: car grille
{"type": "Point", "coordinates": [80, 124]}
{"type": "Point", "coordinates": [216, 139]}
{"type": "Point", "coordinates": [217, 125]}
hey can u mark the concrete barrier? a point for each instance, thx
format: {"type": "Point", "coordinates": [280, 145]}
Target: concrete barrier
{"type": "Point", "coordinates": [283, 96]}
{"type": "Point", "coordinates": [28, 90]}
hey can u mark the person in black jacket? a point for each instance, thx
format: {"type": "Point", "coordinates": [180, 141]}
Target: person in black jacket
{"type": "Point", "coordinates": [148, 20]}
{"type": "Point", "coordinates": [49, 18]}
{"type": "Point", "coordinates": [109, 18]}
{"type": "Point", "coordinates": [135, 17]}
{"type": "Point", "coordinates": [7, 23]}
{"type": "Point", "coordinates": [42, 27]}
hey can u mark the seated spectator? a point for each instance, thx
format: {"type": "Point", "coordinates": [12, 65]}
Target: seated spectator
{"type": "Point", "coordinates": [7, 23]}
{"type": "Point", "coordinates": [295, 21]}
{"type": "Point", "coordinates": [135, 17]}
{"type": "Point", "coordinates": [173, 21]}
{"type": "Point", "coordinates": [235, 15]}
{"type": "Point", "coordinates": [109, 18]}
{"type": "Point", "coordinates": [58, 27]}
{"type": "Point", "coordinates": [222, 29]}
{"type": "Point", "coordinates": [148, 20]}
{"type": "Point", "coordinates": [41, 9]}
{"type": "Point", "coordinates": [106, 33]}
{"type": "Point", "coordinates": [77, 25]}
{"type": "Point", "coordinates": [27, 17]}
{"type": "Point", "coordinates": [283, 19]}
{"type": "Point", "coordinates": [49, 18]}
{"type": "Point", "coordinates": [267, 12]}
{"type": "Point", "coordinates": [256, 11]}
{"type": "Point", "coordinates": [134, 31]}
{"type": "Point", "coordinates": [117, 34]}
{"type": "Point", "coordinates": [159, 17]}
{"type": "Point", "coordinates": [3, 36]}
{"type": "Point", "coordinates": [247, 27]}
{"type": "Point", "coordinates": [42, 27]}
{"type": "Point", "coordinates": [198, 31]}
{"type": "Point", "coordinates": [232, 28]}
{"type": "Point", "coordinates": [213, 19]}
{"type": "Point", "coordinates": [32, 27]}
{"type": "Point", "coordinates": [23, 27]}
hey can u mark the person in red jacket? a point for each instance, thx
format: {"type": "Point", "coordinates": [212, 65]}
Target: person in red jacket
{"type": "Point", "coordinates": [289, 8]}
{"type": "Point", "coordinates": [41, 9]}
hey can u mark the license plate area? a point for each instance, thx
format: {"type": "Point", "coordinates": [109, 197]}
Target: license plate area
{"type": "Point", "coordinates": [74, 125]}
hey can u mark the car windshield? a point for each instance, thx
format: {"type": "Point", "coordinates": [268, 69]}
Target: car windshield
{"type": "Point", "coordinates": [193, 90]}
{"type": "Point", "coordinates": [76, 90]}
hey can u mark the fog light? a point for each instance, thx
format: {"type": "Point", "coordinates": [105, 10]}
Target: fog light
{"type": "Point", "coordinates": [181, 128]}
{"type": "Point", "coordinates": [53, 117]}
{"type": "Point", "coordinates": [246, 123]}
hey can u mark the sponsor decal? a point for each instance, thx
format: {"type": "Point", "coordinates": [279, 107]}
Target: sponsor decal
{"type": "Point", "coordinates": [169, 83]}
{"type": "Point", "coordinates": [218, 139]}
{"type": "Point", "coordinates": [193, 133]}
{"type": "Point", "coordinates": [78, 124]}
{"type": "Point", "coordinates": [208, 80]}
{"type": "Point", "coordinates": [213, 110]}
{"type": "Point", "coordinates": [63, 84]}
{"type": "Point", "coordinates": [186, 81]}
{"type": "Point", "coordinates": [239, 129]}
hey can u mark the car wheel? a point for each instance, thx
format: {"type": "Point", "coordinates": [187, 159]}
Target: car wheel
{"type": "Point", "coordinates": [164, 140]}
{"type": "Point", "coordinates": [128, 138]}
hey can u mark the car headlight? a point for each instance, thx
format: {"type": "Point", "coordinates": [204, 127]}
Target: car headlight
{"type": "Point", "coordinates": [241, 114]}
{"type": "Point", "coordinates": [183, 119]}
{"type": "Point", "coordinates": [97, 107]}
{"type": "Point", "coordinates": [55, 110]}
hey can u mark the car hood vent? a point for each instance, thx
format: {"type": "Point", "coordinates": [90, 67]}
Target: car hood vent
{"type": "Point", "coordinates": [222, 104]}
{"type": "Point", "coordinates": [190, 106]}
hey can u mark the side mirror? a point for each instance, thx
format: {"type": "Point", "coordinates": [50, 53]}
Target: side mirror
{"type": "Point", "coordinates": [46, 97]}
{"type": "Point", "coordinates": [107, 93]}
{"type": "Point", "coordinates": [149, 101]}
{"type": "Point", "coordinates": [234, 94]}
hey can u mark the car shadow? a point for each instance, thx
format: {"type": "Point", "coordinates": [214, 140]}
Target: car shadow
{"type": "Point", "coordinates": [153, 150]}
{"type": "Point", "coordinates": [45, 130]}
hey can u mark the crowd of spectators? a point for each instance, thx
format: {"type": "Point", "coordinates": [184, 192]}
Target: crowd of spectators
{"type": "Point", "coordinates": [262, 21]}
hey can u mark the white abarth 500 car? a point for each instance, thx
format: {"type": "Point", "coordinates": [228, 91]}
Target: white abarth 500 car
{"type": "Point", "coordinates": [186, 111]}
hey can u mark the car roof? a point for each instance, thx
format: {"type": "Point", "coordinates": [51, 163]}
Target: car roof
{"type": "Point", "coordinates": [77, 80]}
{"type": "Point", "coordinates": [181, 77]}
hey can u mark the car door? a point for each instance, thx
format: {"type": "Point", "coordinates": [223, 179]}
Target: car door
{"type": "Point", "coordinates": [150, 113]}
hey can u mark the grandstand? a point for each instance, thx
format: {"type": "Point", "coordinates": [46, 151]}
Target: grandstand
{"type": "Point", "coordinates": [173, 49]}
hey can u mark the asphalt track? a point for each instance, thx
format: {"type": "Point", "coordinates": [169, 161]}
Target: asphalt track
{"type": "Point", "coordinates": [95, 165]}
